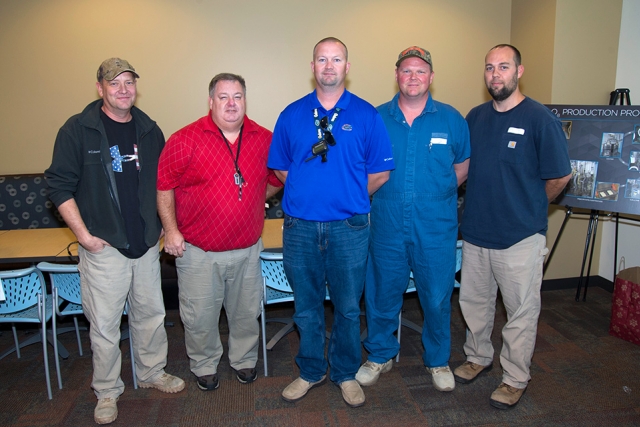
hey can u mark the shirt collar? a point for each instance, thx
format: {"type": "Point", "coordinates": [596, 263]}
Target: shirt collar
{"type": "Point", "coordinates": [210, 126]}
{"type": "Point", "coordinates": [342, 103]}
{"type": "Point", "coordinates": [395, 111]}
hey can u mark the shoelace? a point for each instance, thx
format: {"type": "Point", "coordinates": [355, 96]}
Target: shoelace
{"type": "Point", "coordinates": [509, 388]}
{"type": "Point", "coordinates": [372, 365]}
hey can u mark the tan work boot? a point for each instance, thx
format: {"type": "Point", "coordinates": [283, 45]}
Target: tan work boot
{"type": "Point", "coordinates": [166, 383]}
{"type": "Point", "coordinates": [352, 393]}
{"type": "Point", "coordinates": [299, 388]}
{"type": "Point", "coordinates": [469, 371]}
{"type": "Point", "coordinates": [506, 396]}
{"type": "Point", "coordinates": [106, 411]}
{"type": "Point", "coordinates": [442, 378]}
{"type": "Point", "coordinates": [369, 372]}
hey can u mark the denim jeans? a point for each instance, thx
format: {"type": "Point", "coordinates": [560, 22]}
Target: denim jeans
{"type": "Point", "coordinates": [317, 254]}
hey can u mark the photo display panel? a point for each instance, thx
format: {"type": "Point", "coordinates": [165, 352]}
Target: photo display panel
{"type": "Point", "coordinates": [604, 148]}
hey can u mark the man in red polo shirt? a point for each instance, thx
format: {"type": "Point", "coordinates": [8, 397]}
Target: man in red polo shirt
{"type": "Point", "coordinates": [212, 184]}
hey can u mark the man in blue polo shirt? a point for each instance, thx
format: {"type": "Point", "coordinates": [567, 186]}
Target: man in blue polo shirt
{"type": "Point", "coordinates": [414, 222]}
{"type": "Point", "coordinates": [519, 163]}
{"type": "Point", "coordinates": [332, 151]}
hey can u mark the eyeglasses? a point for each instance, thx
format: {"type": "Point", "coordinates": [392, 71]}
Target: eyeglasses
{"type": "Point", "coordinates": [328, 136]}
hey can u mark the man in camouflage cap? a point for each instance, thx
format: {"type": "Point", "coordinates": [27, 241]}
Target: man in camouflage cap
{"type": "Point", "coordinates": [103, 181]}
{"type": "Point", "coordinates": [414, 222]}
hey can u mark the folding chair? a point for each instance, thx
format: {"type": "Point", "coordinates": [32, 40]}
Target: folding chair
{"type": "Point", "coordinates": [26, 302]}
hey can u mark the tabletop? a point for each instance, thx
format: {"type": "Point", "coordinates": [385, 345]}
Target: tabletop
{"type": "Point", "coordinates": [34, 245]}
{"type": "Point", "coordinates": [271, 238]}
{"type": "Point", "coordinates": [50, 244]}
{"type": "Point", "coordinates": [272, 233]}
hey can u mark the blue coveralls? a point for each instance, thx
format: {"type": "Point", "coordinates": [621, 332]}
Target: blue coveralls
{"type": "Point", "coordinates": [414, 227]}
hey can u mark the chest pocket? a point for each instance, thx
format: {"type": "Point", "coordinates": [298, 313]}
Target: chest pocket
{"type": "Point", "coordinates": [439, 153]}
{"type": "Point", "coordinates": [513, 148]}
{"type": "Point", "coordinates": [441, 157]}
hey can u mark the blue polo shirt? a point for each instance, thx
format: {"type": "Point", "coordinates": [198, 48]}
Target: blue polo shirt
{"type": "Point", "coordinates": [513, 153]}
{"type": "Point", "coordinates": [336, 189]}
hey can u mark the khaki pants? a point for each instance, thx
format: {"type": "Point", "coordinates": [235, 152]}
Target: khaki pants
{"type": "Point", "coordinates": [517, 272]}
{"type": "Point", "coordinates": [108, 279]}
{"type": "Point", "coordinates": [208, 281]}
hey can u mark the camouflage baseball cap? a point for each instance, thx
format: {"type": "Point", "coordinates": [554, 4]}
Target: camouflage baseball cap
{"type": "Point", "coordinates": [113, 67]}
{"type": "Point", "coordinates": [416, 52]}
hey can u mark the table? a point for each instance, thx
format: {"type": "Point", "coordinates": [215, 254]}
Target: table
{"type": "Point", "coordinates": [272, 233]}
{"type": "Point", "coordinates": [271, 239]}
{"type": "Point", "coordinates": [50, 244]}
{"type": "Point", "coordinates": [34, 245]}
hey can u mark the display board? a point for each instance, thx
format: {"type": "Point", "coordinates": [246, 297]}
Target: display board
{"type": "Point", "coordinates": [604, 148]}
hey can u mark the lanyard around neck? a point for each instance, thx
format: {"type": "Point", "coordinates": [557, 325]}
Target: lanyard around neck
{"type": "Point", "coordinates": [237, 176]}
{"type": "Point", "coordinates": [316, 121]}
{"type": "Point", "coordinates": [228, 144]}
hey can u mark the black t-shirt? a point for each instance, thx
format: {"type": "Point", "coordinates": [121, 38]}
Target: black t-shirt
{"type": "Point", "coordinates": [125, 166]}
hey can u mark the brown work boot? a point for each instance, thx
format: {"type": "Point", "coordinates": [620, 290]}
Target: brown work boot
{"type": "Point", "coordinates": [506, 396]}
{"type": "Point", "coordinates": [469, 371]}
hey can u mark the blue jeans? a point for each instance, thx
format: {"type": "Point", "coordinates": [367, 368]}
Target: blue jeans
{"type": "Point", "coordinates": [317, 254]}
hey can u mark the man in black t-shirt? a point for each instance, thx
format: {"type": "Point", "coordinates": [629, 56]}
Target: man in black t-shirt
{"type": "Point", "coordinates": [103, 181]}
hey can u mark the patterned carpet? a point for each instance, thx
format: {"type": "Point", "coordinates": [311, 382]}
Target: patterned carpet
{"type": "Point", "coordinates": [581, 377]}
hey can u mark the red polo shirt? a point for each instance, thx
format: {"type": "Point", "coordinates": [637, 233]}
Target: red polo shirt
{"type": "Point", "coordinates": [198, 166]}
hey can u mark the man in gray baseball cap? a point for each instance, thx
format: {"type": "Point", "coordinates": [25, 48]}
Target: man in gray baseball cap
{"type": "Point", "coordinates": [103, 181]}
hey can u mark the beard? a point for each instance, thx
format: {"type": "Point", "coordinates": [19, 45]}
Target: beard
{"type": "Point", "coordinates": [505, 91]}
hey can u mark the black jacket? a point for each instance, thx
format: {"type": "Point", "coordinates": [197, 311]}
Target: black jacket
{"type": "Point", "coordinates": [81, 169]}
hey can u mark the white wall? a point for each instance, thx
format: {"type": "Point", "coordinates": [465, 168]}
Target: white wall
{"type": "Point", "coordinates": [627, 76]}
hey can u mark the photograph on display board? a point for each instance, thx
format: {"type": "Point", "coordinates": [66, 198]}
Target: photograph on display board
{"type": "Point", "coordinates": [583, 178]}
{"type": "Point", "coordinates": [607, 191]}
{"type": "Point", "coordinates": [604, 145]}
{"type": "Point", "coordinates": [634, 161]}
{"type": "Point", "coordinates": [633, 189]}
{"type": "Point", "coordinates": [566, 128]}
{"type": "Point", "coordinates": [611, 144]}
